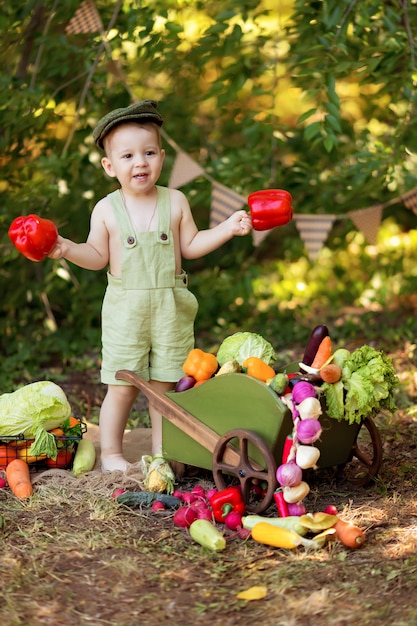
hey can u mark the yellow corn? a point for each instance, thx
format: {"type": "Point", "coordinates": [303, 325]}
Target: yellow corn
{"type": "Point", "coordinates": [276, 537]}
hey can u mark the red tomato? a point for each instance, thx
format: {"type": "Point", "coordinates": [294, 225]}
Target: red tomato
{"type": "Point", "coordinates": [63, 459]}
{"type": "Point", "coordinates": [7, 454]}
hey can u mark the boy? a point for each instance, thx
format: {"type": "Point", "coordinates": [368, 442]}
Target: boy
{"type": "Point", "coordinates": [141, 232]}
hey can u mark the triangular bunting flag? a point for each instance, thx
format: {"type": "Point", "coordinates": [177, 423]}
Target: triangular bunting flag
{"type": "Point", "coordinates": [410, 200]}
{"type": "Point", "coordinates": [258, 236]}
{"type": "Point", "coordinates": [314, 230]}
{"type": "Point", "coordinates": [86, 20]}
{"type": "Point", "coordinates": [368, 221]}
{"type": "Point", "coordinates": [224, 202]}
{"type": "Point", "coordinates": [185, 169]}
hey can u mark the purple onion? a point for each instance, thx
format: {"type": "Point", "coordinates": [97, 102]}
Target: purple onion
{"type": "Point", "coordinates": [303, 390]}
{"type": "Point", "coordinates": [308, 431]}
{"type": "Point", "coordinates": [289, 474]}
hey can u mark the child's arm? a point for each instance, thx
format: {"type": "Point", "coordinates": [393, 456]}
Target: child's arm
{"type": "Point", "coordinates": [91, 255]}
{"type": "Point", "coordinates": [195, 243]}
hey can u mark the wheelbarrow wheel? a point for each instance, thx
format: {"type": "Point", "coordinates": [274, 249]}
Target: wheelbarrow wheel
{"type": "Point", "coordinates": [247, 471]}
{"type": "Point", "coordinates": [366, 455]}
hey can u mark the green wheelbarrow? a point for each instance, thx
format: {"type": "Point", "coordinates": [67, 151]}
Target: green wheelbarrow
{"type": "Point", "coordinates": [236, 426]}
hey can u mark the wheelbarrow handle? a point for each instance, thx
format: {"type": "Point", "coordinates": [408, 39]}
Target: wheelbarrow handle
{"type": "Point", "coordinates": [178, 416]}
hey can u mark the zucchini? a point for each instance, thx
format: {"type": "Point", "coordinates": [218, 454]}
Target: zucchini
{"type": "Point", "coordinates": [84, 458]}
{"type": "Point", "coordinates": [291, 522]}
{"type": "Point", "coordinates": [207, 535]}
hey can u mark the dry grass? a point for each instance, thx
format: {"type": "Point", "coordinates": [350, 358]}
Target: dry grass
{"type": "Point", "coordinates": [71, 555]}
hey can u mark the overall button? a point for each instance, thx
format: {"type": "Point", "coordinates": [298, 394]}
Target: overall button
{"type": "Point", "coordinates": [164, 236]}
{"type": "Point", "coordinates": [130, 240]}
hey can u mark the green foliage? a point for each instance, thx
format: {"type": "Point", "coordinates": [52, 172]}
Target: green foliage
{"type": "Point", "coordinates": [315, 97]}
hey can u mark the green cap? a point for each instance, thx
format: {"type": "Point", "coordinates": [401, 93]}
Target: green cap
{"type": "Point", "coordinates": [142, 111]}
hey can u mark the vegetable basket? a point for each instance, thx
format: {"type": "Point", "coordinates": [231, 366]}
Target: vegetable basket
{"type": "Point", "coordinates": [236, 425]}
{"type": "Point", "coordinates": [18, 446]}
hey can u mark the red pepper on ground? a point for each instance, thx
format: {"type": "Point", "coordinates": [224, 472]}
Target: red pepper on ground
{"type": "Point", "coordinates": [225, 501]}
{"type": "Point", "coordinates": [34, 236]}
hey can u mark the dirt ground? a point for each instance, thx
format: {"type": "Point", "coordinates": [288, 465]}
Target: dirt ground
{"type": "Point", "coordinates": [71, 554]}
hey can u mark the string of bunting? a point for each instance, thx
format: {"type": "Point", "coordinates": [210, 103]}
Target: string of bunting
{"type": "Point", "coordinates": [313, 229]}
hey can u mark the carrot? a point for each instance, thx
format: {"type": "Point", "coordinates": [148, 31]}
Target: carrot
{"type": "Point", "coordinates": [331, 373]}
{"type": "Point", "coordinates": [7, 454]}
{"type": "Point", "coordinates": [323, 353]}
{"type": "Point", "coordinates": [58, 432]}
{"type": "Point", "coordinates": [18, 478]}
{"type": "Point", "coordinates": [349, 534]}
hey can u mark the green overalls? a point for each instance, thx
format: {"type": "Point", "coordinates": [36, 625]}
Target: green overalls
{"type": "Point", "coordinates": [148, 313]}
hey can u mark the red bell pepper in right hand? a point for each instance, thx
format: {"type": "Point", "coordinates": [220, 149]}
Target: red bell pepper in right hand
{"type": "Point", "coordinates": [226, 501]}
{"type": "Point", "coordinates": [270, 208]}
{"type": "Point", "coordinates": [34, 236]}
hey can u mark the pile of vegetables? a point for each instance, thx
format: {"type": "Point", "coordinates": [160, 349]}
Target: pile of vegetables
{"type": "Point", "coordinates": [352, 385]}
{"type": "Point", "coordinates": [36, 425]}
{"type": "Point", "coordinates": [213, 517]}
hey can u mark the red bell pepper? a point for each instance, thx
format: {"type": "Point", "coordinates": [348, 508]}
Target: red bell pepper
{"type": "Point", "coordinates": [225, 501]}
{"type": "Point", "coordinates": [270, 208]}
{"type": "Point", "coordinates": [33, 236]}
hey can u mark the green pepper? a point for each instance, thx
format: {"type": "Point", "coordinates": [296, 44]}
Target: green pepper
{"type": "Point", "coordinates": [226, 501]}
{"type": "Point", "coordinates": [33, 236]}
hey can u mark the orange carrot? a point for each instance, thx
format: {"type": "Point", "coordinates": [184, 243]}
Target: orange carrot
{"type": "Point", "coordinates": [18, 478]}
{"type": "Point", "coordinates": [349, 534]}
{"type": "Point", "coordinates": [331, 373]}
{"type": "Point", "coordinates": [323, 353]}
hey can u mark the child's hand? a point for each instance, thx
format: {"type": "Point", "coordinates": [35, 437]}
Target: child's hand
{"type": "Point", "coordinates": [240, 223]}
{"type": "Point", "coordinates": [58, 252]}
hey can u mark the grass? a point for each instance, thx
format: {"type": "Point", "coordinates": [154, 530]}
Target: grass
{"type": "Point", "coordinates": [70, 554]}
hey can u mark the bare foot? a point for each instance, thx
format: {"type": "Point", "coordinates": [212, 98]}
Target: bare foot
{"type": "Point", "coordinates": [114, 462]}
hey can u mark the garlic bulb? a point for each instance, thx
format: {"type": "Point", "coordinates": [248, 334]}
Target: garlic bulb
{"type": "Point", "coordinates": [307, 456]}
{"type": "Point", "coordinates": [310, 408]}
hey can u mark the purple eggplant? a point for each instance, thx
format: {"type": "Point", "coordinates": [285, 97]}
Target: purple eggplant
{"type": "Point", "coordinates": [185, 383]}
{"type": "Point", "coordinates": [317, 335]}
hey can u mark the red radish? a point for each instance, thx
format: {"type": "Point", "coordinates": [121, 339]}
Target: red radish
{"type": "Point", "coordinates": [184, 517]}
{"type": "Point", "coordinates": [3, 482]}
{"type": "Point", "coordinates": [117, 492]}
{"type": "Point", "coordinates": [331, 509]}
{"type": "Point", "coordinates": [205, 513]}
{"type": "Point", "coordinates": [178, 494]}
{"type": "Point", "coordinates": [199, 491]}
{"type": "Point", "coordinates": [188, 497]}
{"type": "Point", "coordinates": [158, 506]}
{"type": "Point", "coordinates": [233, 520]}
{"type": "Point", "coordinates": [210, 493]}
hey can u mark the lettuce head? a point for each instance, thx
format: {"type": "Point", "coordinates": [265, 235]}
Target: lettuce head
{"type": "Point", "coordinates": [366, 387]}
{"type": "Point", "coordinates": [241, 346]}
{"type": "Point", "coordinates": [32, 411]}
